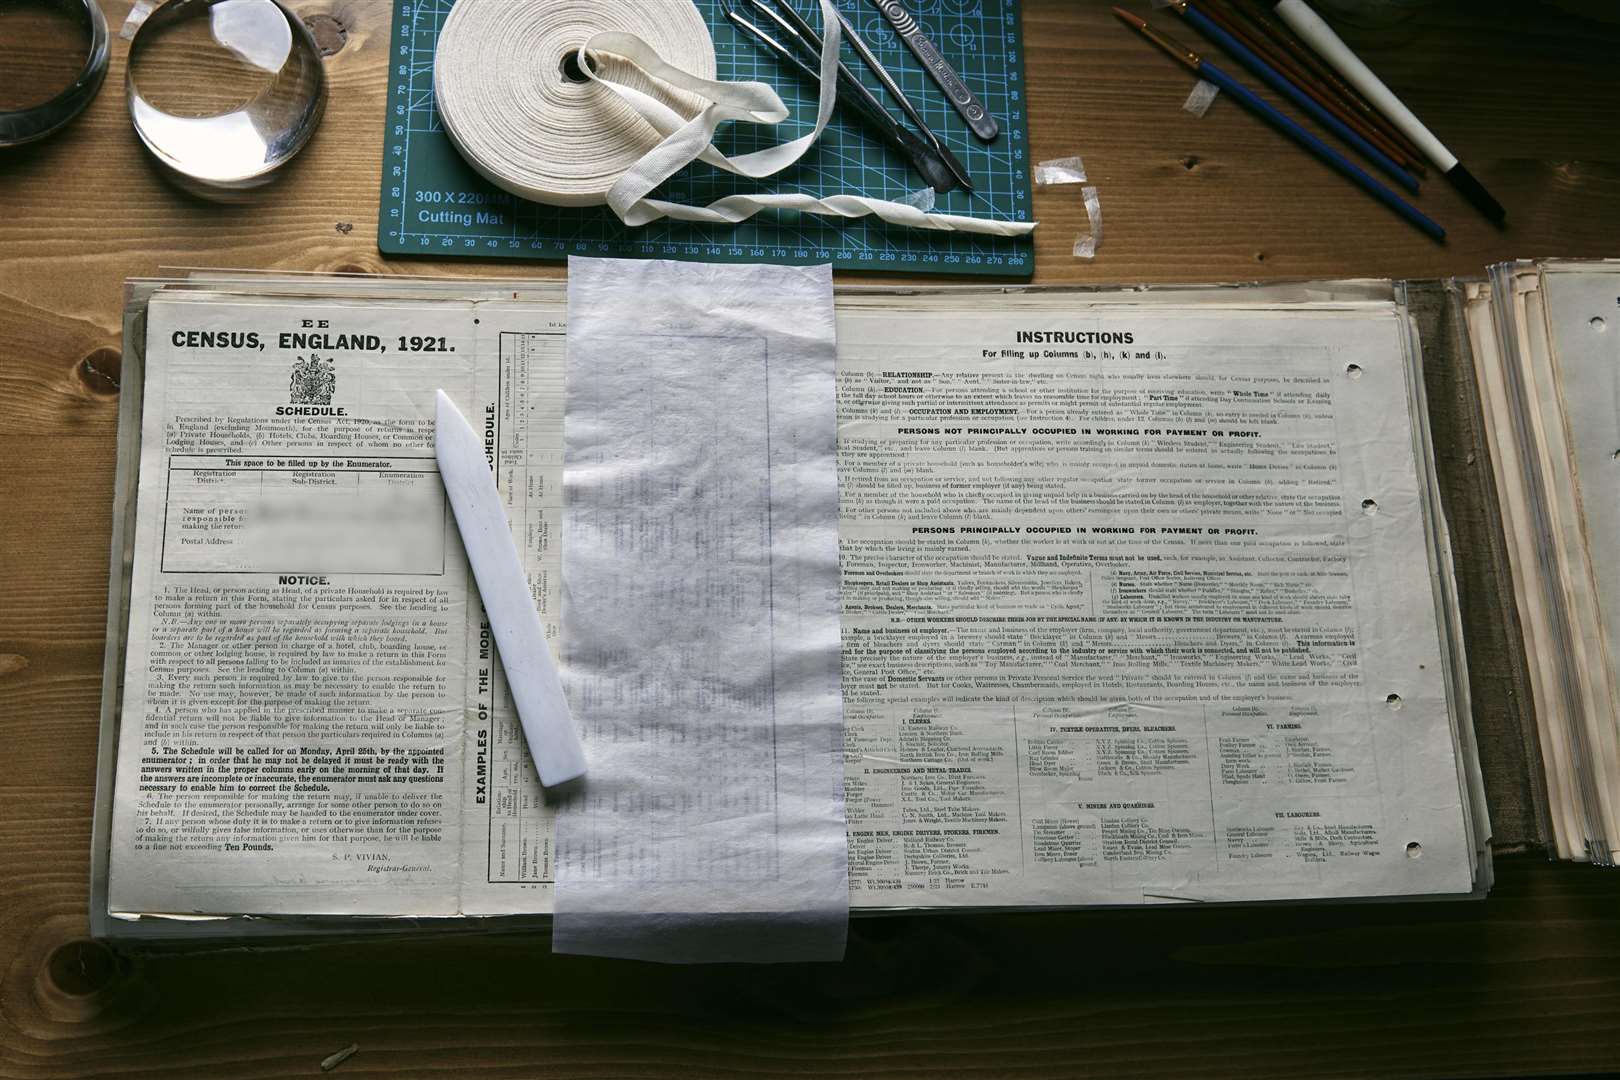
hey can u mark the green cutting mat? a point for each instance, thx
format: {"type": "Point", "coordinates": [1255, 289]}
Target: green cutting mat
{"type": "Point", "coordinates": [433, 203]}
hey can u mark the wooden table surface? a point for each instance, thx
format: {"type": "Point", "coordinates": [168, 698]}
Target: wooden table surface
{"type": "Point", "coordinates": [1525, 982]}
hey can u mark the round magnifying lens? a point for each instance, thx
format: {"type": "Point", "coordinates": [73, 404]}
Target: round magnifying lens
{"type": "Point", "coordinates": [224, 92]}
{"type": "Point", "coordinates": [56, 59]}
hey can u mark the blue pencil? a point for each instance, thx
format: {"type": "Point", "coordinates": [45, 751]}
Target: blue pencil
{"type": "Point", "coordinates": [1281, 83]}
{"type": "Point", "coordinates": [1278, 120]}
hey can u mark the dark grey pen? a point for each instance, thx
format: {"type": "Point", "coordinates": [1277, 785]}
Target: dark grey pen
{"type": "Point", "coordinates": [967, 103]}
{"type": "Point", "coordinates": [899, 95]}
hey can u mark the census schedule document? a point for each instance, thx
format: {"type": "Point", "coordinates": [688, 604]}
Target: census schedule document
{"type": "Point", "coordinates": [1137, 607]}
{"type": "Point", "coordinates": [314, 719]}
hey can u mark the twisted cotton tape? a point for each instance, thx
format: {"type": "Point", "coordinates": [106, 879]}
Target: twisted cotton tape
{"type": "Point", "coordinates": [648, 107]}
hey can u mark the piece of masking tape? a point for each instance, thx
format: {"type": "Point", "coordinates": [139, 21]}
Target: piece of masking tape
{"type": "Point", "coordinates": [922, 199]}
{"type": "Point", "coordinates": [1201, 98]}
{"type": "Point", "coordinates": [1066, 170]}
{"type": "Point", "coordinates": [137, 15]}
{"type": "Point", "coordinates": [1085, 245]}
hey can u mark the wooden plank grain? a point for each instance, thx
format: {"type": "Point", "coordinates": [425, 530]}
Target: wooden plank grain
{"type": "Point", "coordinates": [1226, 197]}
{"type": "Point", "coordinates": [1517, 985]}
{"type": "Point", "coordinates": [1184, 199]}
{"type": "Point", "coordinates": [1525, 982]}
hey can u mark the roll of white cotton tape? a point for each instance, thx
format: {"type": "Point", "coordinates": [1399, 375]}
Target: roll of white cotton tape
{"type": "Point", "coordinates": [507, 100]}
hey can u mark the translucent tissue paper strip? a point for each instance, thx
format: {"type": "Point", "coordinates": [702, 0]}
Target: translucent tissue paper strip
{"type": "Point", "coordinates": [700, 616]}
{"type": "Point", "coordinates": [1067, 170]}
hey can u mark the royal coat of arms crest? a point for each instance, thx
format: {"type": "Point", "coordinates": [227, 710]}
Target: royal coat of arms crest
{"type": "Point", "coordinates": [313, 381]}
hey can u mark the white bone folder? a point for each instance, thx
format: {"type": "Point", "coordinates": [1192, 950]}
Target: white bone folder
{"type": "Point", "coordinates": [531, 671]}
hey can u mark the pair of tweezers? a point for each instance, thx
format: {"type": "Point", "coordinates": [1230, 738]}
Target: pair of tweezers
{"type": "Point", "coordinates": [932, 158]}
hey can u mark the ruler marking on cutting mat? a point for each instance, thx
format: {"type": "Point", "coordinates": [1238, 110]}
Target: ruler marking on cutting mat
{"type": "Point", "coordinates": [422, 172]}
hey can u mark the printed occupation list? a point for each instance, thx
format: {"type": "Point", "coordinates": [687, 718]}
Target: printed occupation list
{"type": "Point", "coordinates": [1136, 608]}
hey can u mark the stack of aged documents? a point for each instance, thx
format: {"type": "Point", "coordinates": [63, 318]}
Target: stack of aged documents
{"type": "Point", "coordinates": [1545, 338]}
{"type": "Point", "coordinates": [1146, 599]}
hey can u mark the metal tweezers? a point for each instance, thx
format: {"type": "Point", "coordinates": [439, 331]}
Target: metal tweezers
{"type": "Point", "coordinates": [932, 158]}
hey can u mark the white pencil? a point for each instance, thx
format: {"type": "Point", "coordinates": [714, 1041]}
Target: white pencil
{"type": "Point", "coordinates": [1320, 36]}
